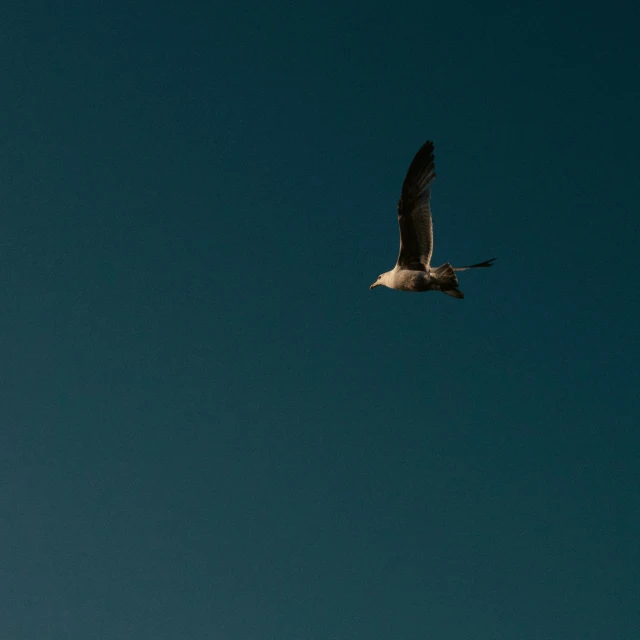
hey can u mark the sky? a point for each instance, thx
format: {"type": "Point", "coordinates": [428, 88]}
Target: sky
{"type": "Point", "coordinates": [212, 428]}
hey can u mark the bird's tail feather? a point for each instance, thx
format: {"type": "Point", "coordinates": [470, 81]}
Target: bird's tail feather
{"type": "Point", "coordinates": [446, 276]}
{"type": "Point", "coordinates": [447, 281]}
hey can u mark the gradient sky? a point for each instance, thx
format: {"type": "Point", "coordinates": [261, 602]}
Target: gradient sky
{"type": "Point", "coordinates": [212, 428]}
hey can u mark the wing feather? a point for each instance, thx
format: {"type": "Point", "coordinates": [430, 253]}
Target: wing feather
{"type": "Point", "coordinates": [414, 212]}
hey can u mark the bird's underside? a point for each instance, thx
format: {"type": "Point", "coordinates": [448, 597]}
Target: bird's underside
{"type": "Point", "coordinates": [413, 270]}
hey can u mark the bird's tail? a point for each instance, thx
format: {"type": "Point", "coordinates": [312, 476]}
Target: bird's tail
{"type": "Point", "coordinates": [486, 263]}
{"type": "Point", "coordinates": [446, 276]}
{"type": "Point", "coordinates": [447, 281]}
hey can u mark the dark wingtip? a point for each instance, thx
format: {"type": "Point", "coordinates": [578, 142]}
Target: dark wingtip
{"type": "Point", "coordinates": [427, 147]}
{"type": "Point", "coordinates": [421, 170]}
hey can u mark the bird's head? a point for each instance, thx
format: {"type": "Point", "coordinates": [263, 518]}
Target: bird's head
{"type": "Point", "coordinates": [381, 281]}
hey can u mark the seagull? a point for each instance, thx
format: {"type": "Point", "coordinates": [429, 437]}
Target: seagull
{"type": "Point", "coordinates": [413, 270]}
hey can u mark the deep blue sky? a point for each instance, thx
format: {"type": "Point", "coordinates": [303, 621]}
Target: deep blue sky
{"type": "Point", "coordinates": [212, 428]}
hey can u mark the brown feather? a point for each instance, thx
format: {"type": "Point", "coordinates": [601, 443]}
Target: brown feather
{"type": "Point", "coordinates": [414, 212]}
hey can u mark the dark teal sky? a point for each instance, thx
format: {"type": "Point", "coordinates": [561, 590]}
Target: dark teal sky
{"type": "Point", "coordinates": [212, 428]}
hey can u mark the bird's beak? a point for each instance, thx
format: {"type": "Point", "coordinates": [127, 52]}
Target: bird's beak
{"type": "Point", "coordinates": [374, 285]}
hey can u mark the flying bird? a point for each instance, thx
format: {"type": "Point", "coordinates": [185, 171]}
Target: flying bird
{"type": "Point", "coordinates": [413, 270]}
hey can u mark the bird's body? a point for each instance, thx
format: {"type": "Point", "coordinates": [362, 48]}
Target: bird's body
{"type": "Point", "coordinates": [413, 270]}
{"type": "Point", "coordinates": [409, 280]}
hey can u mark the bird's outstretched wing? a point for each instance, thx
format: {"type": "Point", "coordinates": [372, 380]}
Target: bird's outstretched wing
{"type": "Point", "coordinates": [486, 263]}
{"type": "Point", "coordinates": [414, 212]}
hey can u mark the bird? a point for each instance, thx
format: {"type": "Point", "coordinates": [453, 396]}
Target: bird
{"type": "Point", "coordinates": [413, 270]}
